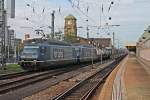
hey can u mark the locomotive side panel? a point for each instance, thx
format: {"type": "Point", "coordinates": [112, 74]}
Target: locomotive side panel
{"type": "Point", "coordinates": [60, 55]}
{"type": "Point", "coordinates": [87, 54]}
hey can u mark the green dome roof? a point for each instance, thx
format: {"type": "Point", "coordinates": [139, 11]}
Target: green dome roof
{"type": "Point", "coordinates": [70, 17]}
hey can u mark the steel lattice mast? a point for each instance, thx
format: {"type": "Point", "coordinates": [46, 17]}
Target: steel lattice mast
{"type": "Point", "coordinates": [2, 32]}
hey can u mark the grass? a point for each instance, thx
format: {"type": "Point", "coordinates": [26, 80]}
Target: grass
{"type": "Point", "coordinates": [11, 68]}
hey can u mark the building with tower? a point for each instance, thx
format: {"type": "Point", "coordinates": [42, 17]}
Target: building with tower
{"type": "Point", "coordinates": [70, 28]}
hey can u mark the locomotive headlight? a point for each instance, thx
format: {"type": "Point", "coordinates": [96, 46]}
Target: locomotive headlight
{"type": "Point", "coordinates": [34, 61]}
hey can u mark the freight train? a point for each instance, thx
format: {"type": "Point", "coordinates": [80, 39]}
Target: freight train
{"type": "Point", "coordinates": [46, 55]}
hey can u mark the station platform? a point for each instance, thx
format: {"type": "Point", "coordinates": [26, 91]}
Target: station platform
{"type": "Point", "coordinates": [129, 81]}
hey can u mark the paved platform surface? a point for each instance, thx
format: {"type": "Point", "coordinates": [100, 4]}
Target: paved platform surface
{"type": "Point", "coordinates": [129, 81]}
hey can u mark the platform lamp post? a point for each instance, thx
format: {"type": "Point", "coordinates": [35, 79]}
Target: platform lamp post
{"type": "Point", "coordinates": [102, 54]}
{"type": "Point", "coordinates": [113, 46]}
{"type": "Point", "coordinates": [118, 42]}
{"type": "Point", "coordinates": [15, 49]}
{"type": "Point", "coordinates": [8, 46]}
{"type": "Point", "coordinates": [91, 43]}
{"type": "Point", "coordinates": [118, 46]}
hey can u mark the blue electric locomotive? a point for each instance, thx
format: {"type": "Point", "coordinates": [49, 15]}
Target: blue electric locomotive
{"type": "Point", "coordinates": [46, 55]}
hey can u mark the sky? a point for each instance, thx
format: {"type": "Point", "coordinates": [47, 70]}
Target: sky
{"type": "Point", "coordinates": [132, 15]}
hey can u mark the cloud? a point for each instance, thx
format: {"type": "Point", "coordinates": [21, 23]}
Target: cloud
{"type": "Point", "coordinates": [130, 14]}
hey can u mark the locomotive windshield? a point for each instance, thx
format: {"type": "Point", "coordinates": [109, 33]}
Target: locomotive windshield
{"type": "Point", "coordinates": [30, 51]}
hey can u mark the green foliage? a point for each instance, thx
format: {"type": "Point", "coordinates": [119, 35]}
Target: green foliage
{"type": "Point", "coordinates": [14, 67]}
{"type": "Point", "coordinates": [11, 68]}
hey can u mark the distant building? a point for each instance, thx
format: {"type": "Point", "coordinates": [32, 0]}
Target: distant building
{"type": "Point", "coordinates": [27, 36]}
{"type": "Point", "coordinates": [99, 42]}
{"type": "Point", "coordinates": [102, 42]}
{"type": "Point", "coordinates": [70, 28]}
{"type": "Point", "coordinates": [12, 44]}
{"type": "Point", "coordinates": [10, 38]}
{"type": "Point", "coordinates": [10, 8]}
{"type": "Point", "coordinates": [83, 41]}
{"type": "Point", "coordinates": [6, 35]}
{"type": "Point", "coordinates": [17, 42]}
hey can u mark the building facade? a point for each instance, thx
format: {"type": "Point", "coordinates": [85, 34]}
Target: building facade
{"type": "Point", "coordinates": [102, 42]}
{"type": "Point", "coordinates": [10, 8]}
{"type": "Point", "coordinates": [143, 45]}
{"type": "Point", "coordinates": [98, 42]}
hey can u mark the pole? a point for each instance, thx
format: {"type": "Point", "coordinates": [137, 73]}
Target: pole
{"type": "Point", "coordinates": [92, 54]}
{"type": "Point", "coordinates": [113, 47]}
{"type": "Point", "coordinates": [8, 52]}
{"type": "Point", "coordinates": [118, 48]}
{"type": "Point", "coordinates": [87, 29]}
{"type": "Point", "coordinates": [53, 25]}
{"type": "Point", "coordinates": [3, 33]}
{"type": "Point", "coordinates": [118, 44]}
{"type": "Point", "coordinates": [102, 56]}
{"type": "Point", "coordinates": [18, 53]}
{"type": "Point", "coordinates": [15, 54]}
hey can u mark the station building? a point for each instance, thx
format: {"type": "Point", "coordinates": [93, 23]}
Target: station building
{"type": "Point", "coordinates": [143, 45]}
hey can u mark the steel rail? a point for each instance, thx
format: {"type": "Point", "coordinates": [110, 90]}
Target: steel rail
{"type": "Point", "coordinates": [84, 89]}
{"type": "Point", "coordinates": [25, 77]}
{"type": "Point", "coordinates": [14, 75]}
{"type": "Point", "coordinates": [6, 87]}
{"type": "Point", "coordinates": [22, 82]}
{"type": "Point", "coordinates": [77, 87]}
{"type": "Point", "coordinates": [92, 91]}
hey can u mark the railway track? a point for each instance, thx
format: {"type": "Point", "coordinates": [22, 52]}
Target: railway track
{"type": "Point", "coordinates": [19, 74]}
{"type": "Point", "coordinates": [11, 83]}
{"type": "Point", "coordinates": [14, 75]}
{"type": "Point", "coordinates": [9, 86]}
{"type": "Point", "coordinates": [84, 89]}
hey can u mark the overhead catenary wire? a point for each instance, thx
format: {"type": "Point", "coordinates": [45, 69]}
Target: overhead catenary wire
{"type": "Point", "coordinates": [81, 11]}
{"type": "Point", "coordinates": [85, 14]}
{"type": "Point", "coordinates": [40, 17]}
{"type": "Point", "coordinates": [79, 7]}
